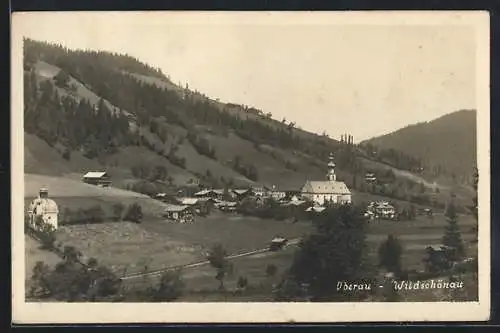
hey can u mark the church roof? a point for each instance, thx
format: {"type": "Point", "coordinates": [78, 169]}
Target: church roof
{"type": "Point", "coordinates": [326, 187]}
{"type": "Point", "coordinates": [41, 206]}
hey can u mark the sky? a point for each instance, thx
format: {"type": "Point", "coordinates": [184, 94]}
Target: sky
{"type": "Point", "coordinates": [333, 73]}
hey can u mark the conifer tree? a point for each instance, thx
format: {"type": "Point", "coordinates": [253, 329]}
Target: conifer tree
{"type": "Point", "coordinates": [453, 237]}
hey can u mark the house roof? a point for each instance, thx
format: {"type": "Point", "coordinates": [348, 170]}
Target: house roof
{"type": "Point", "coordinates": [203, 192]}
{"type": "Point", "coordinates": [315, 209]}
{"type": "Point", "coordinates": [175, 208]}
{"type": "Point", "coordinates": [188, 201]}
{"type": "Point", "coordinates": [295, 202]}
{"type": "Point", "coordinates": [241, 191]}
{"type": "Point", "coordinates": [326, 187]}
{"type": "Point", "coordinates": [226, 204]}
{"type": "Point", "coordinates": [218, 191]}
{"type": "Point", "coordinates": [95, 174]}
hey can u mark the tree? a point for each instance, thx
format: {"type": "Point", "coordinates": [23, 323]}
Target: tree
{"type": "Point", "coordinates": [452, 237]}
{"type": "Point", "coordinates": [271, 270]}
{"type": "Point", "coordinates": [61, 79]}
{"type": "Point", "coordinates": [39, 285]}
{"type": "Point", "coordinates": [389, 254]}
{"type": "Point", "coordinates": [474, 199]}
{"type": "Point", "coordinates": [134, 213]}
{"type": "Point", "coordinates": [242, 282]}
{"type": "Point", "coordinates": [171, 287]}
{"type": "Point", "coordinates": [217, 258]}
{"type": "Point", "coordinates": [118, 209]}
{"type": "Point", "coordinates": [334, 253]}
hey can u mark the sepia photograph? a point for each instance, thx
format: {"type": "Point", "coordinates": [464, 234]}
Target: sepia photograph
{"type": "Point", "coordinates": [250, 166]}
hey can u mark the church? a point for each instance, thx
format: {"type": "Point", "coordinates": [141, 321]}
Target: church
{"type": "Point", "coordinates": [44, 208]}
{"type": "Point", "coordinates": [325, 191]}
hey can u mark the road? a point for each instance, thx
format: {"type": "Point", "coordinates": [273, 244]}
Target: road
{"type": "Point", "coordinates": [158, 272]}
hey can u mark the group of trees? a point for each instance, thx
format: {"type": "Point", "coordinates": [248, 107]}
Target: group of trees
{"type": "Point", "coordinates": [96, 214]}
{"type": "Point", "coordinates": [76, 124]}
{"type": "Point", "coordinates": [248, 170]}
{"type": "Point", "coordinates": [71, 280]}
{"type": "Point", "coordinates": [201, 145]}
{"type": "Point", "coordinates": [145, 172]}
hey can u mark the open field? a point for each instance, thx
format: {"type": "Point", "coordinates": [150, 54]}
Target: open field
{"type": "Point", "coordinates": [64, 187]}
{"type": "Point", "coordinates": [158, 244]}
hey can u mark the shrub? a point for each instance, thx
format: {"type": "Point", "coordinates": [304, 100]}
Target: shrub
{"type": "Point", "coordinates": [118, 209]}
{"type": "Point", "coordinates": [134, 213]}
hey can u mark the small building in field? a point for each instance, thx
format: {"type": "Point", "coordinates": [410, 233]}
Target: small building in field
{"type": "Point", "coordinates": [327, 191]}
{"type": "Point", "coordinates": [43, 211]}
{"type": "Point", "coordinates": [178, 213]}
{"type": "Point", "coordinates": [370, 178]}
{"type": "Point", "coordinates": [99, 178]}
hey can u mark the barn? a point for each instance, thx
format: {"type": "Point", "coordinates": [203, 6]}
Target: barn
{"type": "Point", "coordinates": [99, 178]}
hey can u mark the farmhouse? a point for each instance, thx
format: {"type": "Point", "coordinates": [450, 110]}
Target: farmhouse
{"type": "Point", "coordinates": [260, 191]}
{"type": "Point", "coordinates": [100, 178]}
{"type": "Point", "coordinates": [243, 193]}
{"type": "Point", "coordinates": [182, 214]}
{"type": "Point", "coordinates": [43, 210]}
{"type": "Point", "coordinates": [330, 190]}
{"type": "Point", "coordinates": [277, 194]}
{"type": "Point", "coordinates": [381, 209]}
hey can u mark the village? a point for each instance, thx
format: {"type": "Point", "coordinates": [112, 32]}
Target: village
{"type": "Point", "coordinates": [190, 202]}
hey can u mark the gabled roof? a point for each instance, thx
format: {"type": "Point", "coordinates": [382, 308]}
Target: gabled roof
{"type": "Point", "coordinates": [241, 191]}
{"type": "Point", "coordinates": [226, 204]}
{"type": "Point", "coordinates": [326, 187]}
{"type": "Point", "coordinates": [315, 209]}
{"type": "Point", "coordinates": [295, 202]}
{"type": "Point", "coordinates": [188, 201]}
{"type": "Point", "coordinates": [95, 174]}
{"type": "Point", "coordinates": [203, 192]}
{"type": "Point", "coordinates": [175, 208]}
{"type": "Point", "coordinates": [218, 191]}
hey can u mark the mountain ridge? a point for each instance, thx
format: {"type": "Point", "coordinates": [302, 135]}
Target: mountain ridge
{"type": "Point", "coordinates": [84, 105]}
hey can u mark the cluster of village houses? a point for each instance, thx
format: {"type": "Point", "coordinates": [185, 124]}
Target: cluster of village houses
{"type": "Point", "coordinates": [316, 193]}
{"type": "Point", "coordinates": [312, 197]}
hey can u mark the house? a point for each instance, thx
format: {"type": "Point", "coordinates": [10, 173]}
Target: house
{"type": "Point", "coordinates": [43, 211]}
{"type": "Point", "coordinates": [241, 194]}
{"type": "Point", "coordinates": [260, 191]}
{"type": "Point", "coordinates": [99, 178]}
{"type": "Point", "coordinates": [315, 209]}
{"type": "Point", "coordinates": [187, 201]}
{"type": "Point", "coordinates": [370, 178]}
{"type": "Point", "coordinates": [327, 191]}
{"type": "Point", "coordinates": [381, 209]}
{"type": "Point", "coordinates": [182, 214]}
{"type": "Point", "coordinates": [160, 196]}
{"type": "Point", "coordinates": [226, 206]}
{"type": "Point", "coordinates": [204, 206]}
{"type": "Point", "coordinates": [277, 194]}
{"type": "Point", "coordinates": [218, 194]}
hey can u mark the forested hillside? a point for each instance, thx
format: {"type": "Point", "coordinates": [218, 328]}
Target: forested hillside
{"type": "Point", "coordinates": [446, 145]}
{"type": "Point", "coordinates": [113, 112]}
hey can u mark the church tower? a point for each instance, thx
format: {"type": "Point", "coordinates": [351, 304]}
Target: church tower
{"type": "Point", "coordinates": [331, 169]}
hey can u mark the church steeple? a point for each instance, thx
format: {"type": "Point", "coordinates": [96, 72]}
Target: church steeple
{"type": "Point", "coordinates": [331, 169]}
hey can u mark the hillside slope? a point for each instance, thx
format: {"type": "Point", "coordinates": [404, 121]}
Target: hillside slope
{"type": "Point", "coordinates": [95, 110]}
{"type": "Point", "coordinates": [448, 142]}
